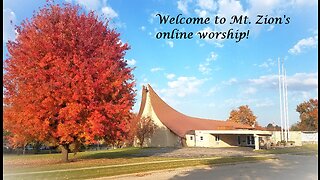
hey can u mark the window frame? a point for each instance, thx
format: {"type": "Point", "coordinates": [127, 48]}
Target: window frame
{"type": "Point", "coordinates": [250, 140]}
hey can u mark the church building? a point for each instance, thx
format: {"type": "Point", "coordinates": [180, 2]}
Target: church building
{"type": "Point", "coordinates": [175, 129]}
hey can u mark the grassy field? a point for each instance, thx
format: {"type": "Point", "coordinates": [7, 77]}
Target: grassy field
{"type": "Point", "coordinates": [95, 164]}
{"type": "Point", "coordinates": [45, 162]}
{"type": "Point", "coordinates": [308, 149]}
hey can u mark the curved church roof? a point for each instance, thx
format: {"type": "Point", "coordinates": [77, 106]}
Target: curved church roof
{"type": "Point", "coordinates": [179, 123]}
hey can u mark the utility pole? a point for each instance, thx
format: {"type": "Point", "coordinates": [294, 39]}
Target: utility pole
{"type": "Point", "coordinates": [286, 92]}
{"type": "Point", "coordinates": [280, 94]}
{"type": "Point", "coordinates": [283, 94]}
{"type": "Point", "coordinates": [284, 104]}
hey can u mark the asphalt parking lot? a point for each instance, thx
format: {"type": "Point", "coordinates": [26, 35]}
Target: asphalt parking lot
{"type": "Point", "coordinates": [292, 167]}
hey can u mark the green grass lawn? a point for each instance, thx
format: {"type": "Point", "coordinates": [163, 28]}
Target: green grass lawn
{"type": "Point", "coordinates": [99, 164]}
{"type": "Point", "coordinates": [112, 171]}
{"type": "Point", "coordinates": [44, 162]}
{"type": "Point", "coordinates": [308, 149]}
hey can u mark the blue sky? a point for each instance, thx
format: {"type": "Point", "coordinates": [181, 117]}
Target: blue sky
{"type": "Point", "coordinates": [208, 78]}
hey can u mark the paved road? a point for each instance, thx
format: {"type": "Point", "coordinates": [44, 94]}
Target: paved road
{"type": "Point", "coordinates": [292, 167]}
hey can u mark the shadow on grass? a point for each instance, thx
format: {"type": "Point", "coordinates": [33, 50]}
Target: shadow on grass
{"type": "Point", "coordinates": [110, 154]}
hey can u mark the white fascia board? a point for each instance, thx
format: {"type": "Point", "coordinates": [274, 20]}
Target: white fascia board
{"type": "Point", "coordinates": [258, 132]}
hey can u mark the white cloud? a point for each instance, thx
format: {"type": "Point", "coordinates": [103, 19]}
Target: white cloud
{"type": "Point", "coordinates": [264, 103]}
{"type": "Point", "coordinates": [102, 9]}
{"type": "Point", "coordinates": [296, 82]}
{"type": "Point", "coordinates": [183, 6]}
{"type": "Point", "coordinates": [267, 80]}
{"type": "Point", "coordinates": [120, 42]}
{"type": "Point", "coordinates": [228, 8]}
{"type": "Point", "coordinates": [303, 44]}
{"type": "Point", "coordinates": [270, 28]}
{"type": "Point", "coordinates": [90, 5]}
{"type": "Point", "coordinates": [109, 12]}
{"type": "Point", "coordinates": [153, 16]}
{"type": "Point", "coordinates": [200, 44]}
{"type": "Point", "coordinates": [269, 7]}
{"type": "Point", "coordinates": [213, 56]}
{"type": "Point", "coordinates": [274, 8]}
{"type": "Point", "coordinates": [131, 62]}
{"type": "Point", "coordinates": [231, 81]}
{"type": "Point", "coordinates": [156, 69]}
{"type": "Point", "coordinates": [204, 68]}
{"type": "Point", "coordinates": [251, 102]}
{"type": "Point", "coordinates": [299, 96]}
{"type": "Point", "coordinates": [207, 4]}
{"type": "Point", "coordinates": [303, 3]}
{"type": "Point", "coordinates": [216, 42]}
{"type": "Point", "coordinates": [262, 7]}
{"type": "Point", "coordinates": [250, 90]}
{"type": "Point", "coordinates": [170, 76]}
{"type": "Point", "coordinates": [9, 19]}
{"type": "Point", "coordinates": [201, 13]}
{"type": "Point", "coordinates": [263, 65]}
{"type": "Point", "coordinates": [170, 43]}
{"type": "Point", "coordinates": [213, 90]}
{"type": "Point", "coordinates": [303, 81]}
{"type": "Point", "coordinates": [183, 86]}
{"type": "Point", "coordinates": [143, 28]}
{"type": "Point", "coordinates": [268, 64]}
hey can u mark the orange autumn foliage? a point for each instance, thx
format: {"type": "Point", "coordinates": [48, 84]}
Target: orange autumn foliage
{"type": "Point", "coordinates": [66, 79]}
{"type": "Point", "coordinates": [243, 115]}
{"type": "Point", "coordinates": [308, 111]}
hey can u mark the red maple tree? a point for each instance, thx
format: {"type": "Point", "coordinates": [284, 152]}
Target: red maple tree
{"type": "Point", "coordinates": [132, 125]}
{"type": "Point", "coordinates": [66, 79]}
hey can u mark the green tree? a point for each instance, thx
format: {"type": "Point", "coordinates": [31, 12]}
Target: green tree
{"type": "Point", "coordinates": [271, 127]}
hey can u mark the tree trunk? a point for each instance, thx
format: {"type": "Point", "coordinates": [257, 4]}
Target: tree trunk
{"type": "Point", "coordinates": [183, 142]}
{"type": "Point", "coordinates": [24, 149]}
{"type": "Point", "coordinates": [141, 143]}
{"type": "Point", "coordinates": [142, 140]}
{"type": "Point", "coordinates": [37, 147]}
{"type": "Point", "coordinates": [64, 151]}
